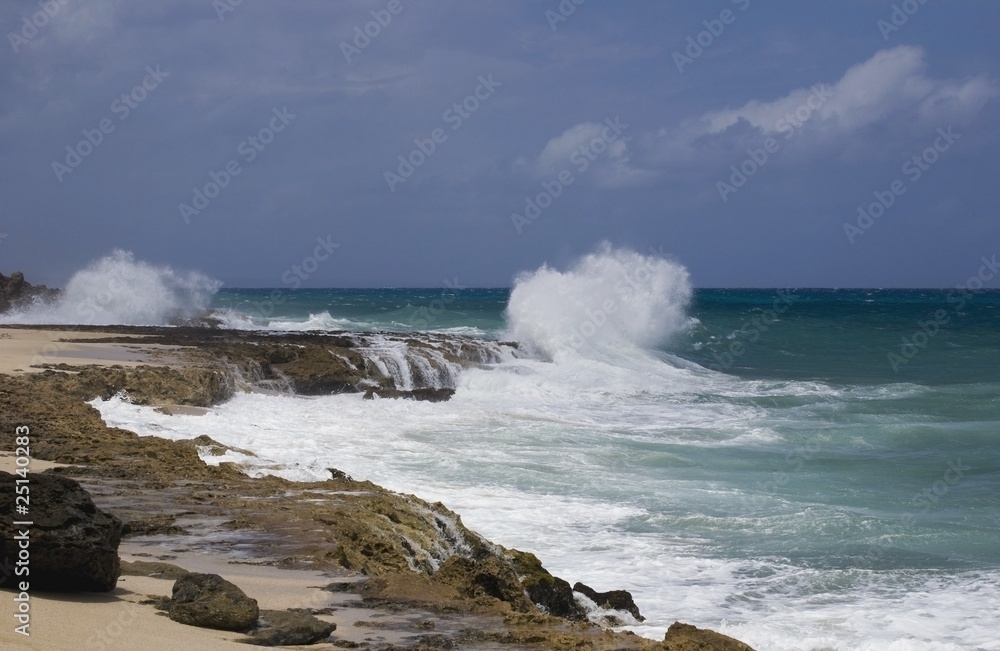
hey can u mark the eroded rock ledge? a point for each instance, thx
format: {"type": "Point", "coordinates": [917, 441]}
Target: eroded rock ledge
{"type": "Point", "coordinates": [216, 363]}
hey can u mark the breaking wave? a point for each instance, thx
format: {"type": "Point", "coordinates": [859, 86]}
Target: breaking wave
{"type": "Point", "coordinates": [610, 302]}
{"type": "Point", "coordinates": [118, 290]}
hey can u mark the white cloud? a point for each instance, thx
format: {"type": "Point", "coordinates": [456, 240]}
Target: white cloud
{"type": "Point", "coordinates": [893, 84]}
{"type": "Point", "coordinates": [598, 149]}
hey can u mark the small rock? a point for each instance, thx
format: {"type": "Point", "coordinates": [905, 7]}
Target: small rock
{"type": "Point", "coordinates": [209, 601]}
{"type": "Point", "coordinates": [73, 544]}
{"type": "Point", "coordinates": [338, 474]}
{"type": "Point", "coordinates": [425, 394]}
{"type": "Point", "coordinates": [283, 627]}
{"type": "Point", "coordinates": [613, 599]}
{"type": "Point", "coordinates": [153, 525]}
{"type": "Point", "coordinates": [685, 637]}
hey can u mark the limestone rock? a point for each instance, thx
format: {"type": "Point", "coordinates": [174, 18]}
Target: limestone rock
{"type": "Point", "coordinates": [209, 601]}
{"type": "Point", "coordinates": [73, 545]}
{"type": "Point", "coordinates": [613, 599]}
{"type": "Point", "coordinates": [685, 637]}
{"type": "Point", "coordinates": [289, 627]}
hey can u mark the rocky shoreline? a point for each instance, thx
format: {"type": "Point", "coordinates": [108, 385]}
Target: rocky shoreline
{"type": "Point", "coordinates": [389, 552]}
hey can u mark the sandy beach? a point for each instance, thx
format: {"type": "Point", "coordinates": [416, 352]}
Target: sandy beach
{"type": "Point", "coordinates": [25, 350]}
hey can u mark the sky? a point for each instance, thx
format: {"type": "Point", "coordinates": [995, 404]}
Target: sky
{"type": "Point", "coordinates": [404, 143]}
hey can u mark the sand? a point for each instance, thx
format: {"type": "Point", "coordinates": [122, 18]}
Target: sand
{"type": "Point", "coordinates": [117, 620]}
{"type": "Point", "coordinates": [22, 349]}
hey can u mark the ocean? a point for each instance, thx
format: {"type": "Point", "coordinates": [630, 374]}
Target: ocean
{"type": "Point", "coordinates": [801, 469]}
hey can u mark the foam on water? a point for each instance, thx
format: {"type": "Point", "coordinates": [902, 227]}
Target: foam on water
{"type": "Point", "coordinates": [118, 290]}
{"type": "Point", "coordinates": [325, 322]}
{"type": "Point", "coordinates": [555, 482]}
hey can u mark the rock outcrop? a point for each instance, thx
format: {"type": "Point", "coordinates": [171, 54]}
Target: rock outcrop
{"type": "Point", "coordinates": [73, 545]}
{"type": "Point", "coordinates": [15, 291]}
{"type": "Point", "coordinates": [613, 599]}
{"type": "Point", "coordinates": [386, 364]}
{"type": "Point", "coordinates": [549, 592]}
{"type": "Point", "coordinates": [685, 637]}
{"type": "Point", "coordinates": [209, 601]}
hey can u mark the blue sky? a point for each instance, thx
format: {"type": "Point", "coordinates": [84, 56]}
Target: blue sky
{"type": "Point", "coordinates": [740, 138]}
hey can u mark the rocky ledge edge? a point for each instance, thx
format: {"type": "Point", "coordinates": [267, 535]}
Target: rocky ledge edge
{"type": "Point", "coordinates": [397, 551]}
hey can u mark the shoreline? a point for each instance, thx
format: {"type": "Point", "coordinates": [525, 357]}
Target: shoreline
{"type": "Point", "coordinates": [192, 514]}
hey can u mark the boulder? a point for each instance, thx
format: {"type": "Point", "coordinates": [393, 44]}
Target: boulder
{"type": "Point", "coordinates": [73, 545]}
{"type": "Point", "coordinates": [550, 592]}
{"type": "Point", "coordinates": [289, 627]}
{"type": "Point", "coordinates": [685, 637]}
{"type": "Point", "coordinates": [613, 599]}
{"type": "Point", "coordinates": [209, 601]}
